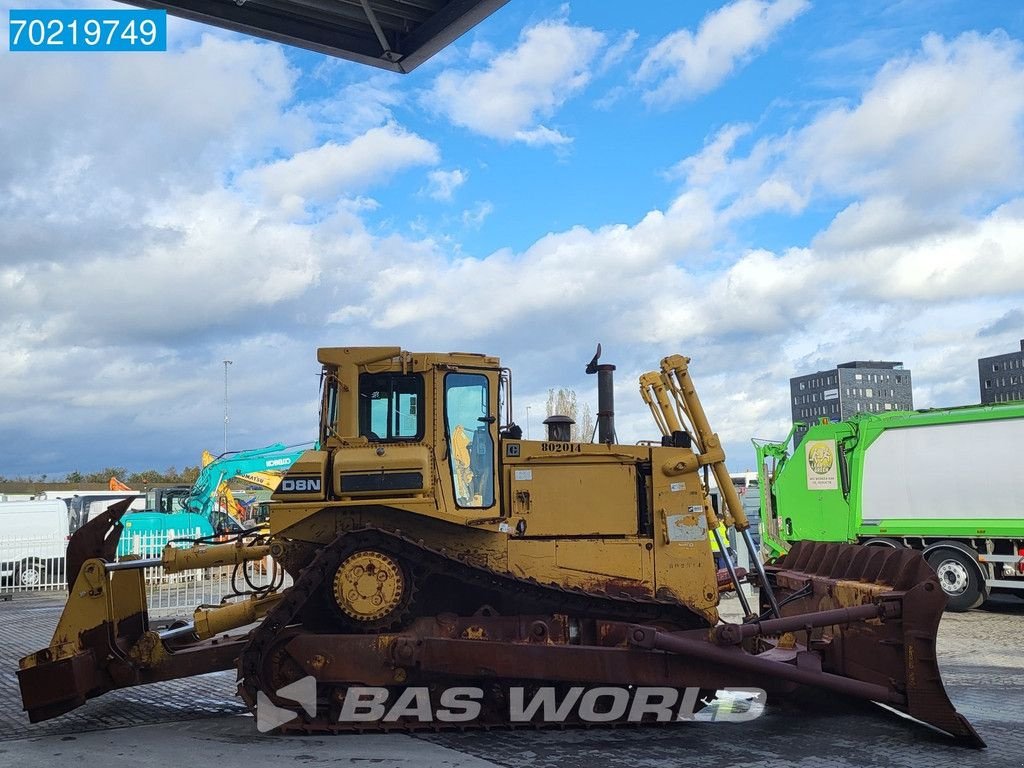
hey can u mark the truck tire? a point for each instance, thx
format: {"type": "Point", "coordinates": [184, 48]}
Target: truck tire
{"type": "Point", "coordinates": [959, 579]}
{"type": "Point", "coordinates": [30, 574]}
{"type": "Point", "coordinates": [891, 543]}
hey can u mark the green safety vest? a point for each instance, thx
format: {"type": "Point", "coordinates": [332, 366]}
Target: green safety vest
{"type": "Point", "coordinates": [725, 537]}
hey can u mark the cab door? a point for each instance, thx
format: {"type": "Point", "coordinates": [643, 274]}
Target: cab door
{"type": "Point", "coordinates": [469, 426]}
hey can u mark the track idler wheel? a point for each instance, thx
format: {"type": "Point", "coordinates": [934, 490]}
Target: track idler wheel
{"type": "Point", "coordinates": [372, 588]}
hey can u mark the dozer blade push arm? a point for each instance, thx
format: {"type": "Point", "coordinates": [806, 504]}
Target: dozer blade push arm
{"type": "Point", "coordinates": [103, 640]}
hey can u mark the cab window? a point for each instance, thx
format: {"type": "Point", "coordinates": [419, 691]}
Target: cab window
{"type": "Point", "coordinates": [390, 407]}
{"type": "Point", "coordinates": [470, 445]}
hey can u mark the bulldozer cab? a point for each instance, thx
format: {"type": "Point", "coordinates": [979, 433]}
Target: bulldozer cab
{"type": "Point", "coordinates": [410, 426]}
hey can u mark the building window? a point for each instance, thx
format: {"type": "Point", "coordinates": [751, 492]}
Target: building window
{"type": "Point", "coordinates": [869, 392]}
{"type": "Point", "coordinates": [899, 379]}
{"type": "Point", "coordinates": [988, 383]}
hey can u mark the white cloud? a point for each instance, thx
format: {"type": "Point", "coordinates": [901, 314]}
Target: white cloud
{"type": "Point", "coordinates": [332, 169]}
{"type": "Point", "coordinates": [441, 185]}
{"type": "Point", "coordinates": [684, 65]}
{"type": "Point", "coordinates": [943, 123]}
{"type": "Point", "coordinates": [710, 163]}
{"type": "Point", "coordinates": [939, 129]}
{"type": "Point", "coordinates": [357, 107]}
{"type": "Point", "coordinates": [519, 87]}
{"type": "Point", "coordinates": [80, 186]}
{"type": "Point", "coordinates": [977, 259]}
{"type": "Point", "coordinates": [474, 217]}
{"type": "Point", "coordinates": [617, 51]}
{"type": "Point", "coordinates": [879, 221]}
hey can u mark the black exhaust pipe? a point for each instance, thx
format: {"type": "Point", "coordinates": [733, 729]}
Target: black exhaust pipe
{"type": "Point", "coordinates": [605, 398]}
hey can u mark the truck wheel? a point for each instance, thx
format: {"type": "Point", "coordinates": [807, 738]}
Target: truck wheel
{"type": "Point", "coordinates": [30, 573]}
{"type": "Point", "coordinates": [959, 579]}
{"type": "Point", "coordinates": [891, 543]}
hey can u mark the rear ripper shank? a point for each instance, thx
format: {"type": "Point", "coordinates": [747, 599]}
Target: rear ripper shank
{"type": "Point", "coordinates": [430, 546]}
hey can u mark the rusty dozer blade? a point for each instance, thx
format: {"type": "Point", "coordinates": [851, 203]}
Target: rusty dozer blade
{"type": "Point", "coordinates": [103, 640]}
{"type": "Point", "coordinates": [896, 651]}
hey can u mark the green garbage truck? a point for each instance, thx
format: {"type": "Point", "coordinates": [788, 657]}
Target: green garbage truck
{"type": "Point", "coordinates": [945, 481]}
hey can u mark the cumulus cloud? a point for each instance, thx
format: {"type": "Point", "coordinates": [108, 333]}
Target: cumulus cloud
{"type": "Point", "coordinates": [77, 186]}
{"type": "Point", "coordinates": [942, 123]}
{"type": "Point", "coordinates": [519, 87]}
{"type": "Point", "coordinates": [938, 129]}
{"type": "Point", "coordinates": [332, 169]}
{"type": "Point", "coordinates": [684, 65]}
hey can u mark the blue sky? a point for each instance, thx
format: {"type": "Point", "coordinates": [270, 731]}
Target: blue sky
{"type": "Point", "coordinates": [768, 187]}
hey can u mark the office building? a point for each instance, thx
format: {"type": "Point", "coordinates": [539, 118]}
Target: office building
{"type": "Point", "coordinates": [1001, 378]}
{"type": "Point", "coordinates": [860, 386]}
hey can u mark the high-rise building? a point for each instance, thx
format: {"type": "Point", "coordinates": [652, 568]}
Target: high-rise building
{"type": "Point", "coordinates": [856, 387]}
{"type": "Point", "coordinates": [1001, 377]}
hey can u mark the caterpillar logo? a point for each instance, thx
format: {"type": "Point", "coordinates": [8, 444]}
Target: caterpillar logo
{"type": "Point", "coordinates": [300, 485]}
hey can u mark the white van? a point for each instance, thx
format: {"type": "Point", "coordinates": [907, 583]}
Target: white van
{"type": "Point", "coordinates": [33, 542]}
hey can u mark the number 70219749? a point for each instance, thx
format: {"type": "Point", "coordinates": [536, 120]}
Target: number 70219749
{"type": "Point", "coordinates": [88, 30]}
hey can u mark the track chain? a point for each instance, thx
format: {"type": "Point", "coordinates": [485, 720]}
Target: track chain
{"type": "Point", "coordinates": [526, 595]}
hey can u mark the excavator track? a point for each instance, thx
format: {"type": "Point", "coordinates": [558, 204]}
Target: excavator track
{"type": "Point", "coordinates": [265, 665]}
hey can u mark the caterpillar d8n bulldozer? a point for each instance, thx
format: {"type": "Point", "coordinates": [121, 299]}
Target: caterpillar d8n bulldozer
{"type": "Point", "coordinates": [437, 558]}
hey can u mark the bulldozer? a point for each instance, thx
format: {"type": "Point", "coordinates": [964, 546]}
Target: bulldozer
{"type": "Point", "coordinates": [433, 555]}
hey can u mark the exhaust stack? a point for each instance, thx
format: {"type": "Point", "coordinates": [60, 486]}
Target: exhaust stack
{"type": "Point", "coordinates": [605, 398]}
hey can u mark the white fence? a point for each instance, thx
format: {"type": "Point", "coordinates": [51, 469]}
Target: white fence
{"type": "Point", "coordinates": [37, 564]}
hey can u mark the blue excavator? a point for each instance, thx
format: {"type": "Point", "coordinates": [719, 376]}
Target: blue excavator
{"type": "Point", "coordinates": [207, 508]}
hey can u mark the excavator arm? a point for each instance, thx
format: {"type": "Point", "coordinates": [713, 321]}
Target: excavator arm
{"type": "Point", "coordinates": [260, 466]}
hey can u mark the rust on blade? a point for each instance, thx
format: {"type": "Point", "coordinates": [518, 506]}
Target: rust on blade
{"type": "Point", "coordinates": [898, 652]}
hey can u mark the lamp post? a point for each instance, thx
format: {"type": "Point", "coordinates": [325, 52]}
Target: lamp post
{"type": "Point", "coordinates": [226, 364]}
{"type": "Point", "coordinates": [527, 422]}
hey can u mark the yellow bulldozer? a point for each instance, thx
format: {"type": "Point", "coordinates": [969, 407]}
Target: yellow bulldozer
{"type": "Point", "coordinates": [433, 552]}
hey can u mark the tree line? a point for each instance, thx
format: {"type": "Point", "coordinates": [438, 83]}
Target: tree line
{"type": "Point", "coordinates": [186, 476]}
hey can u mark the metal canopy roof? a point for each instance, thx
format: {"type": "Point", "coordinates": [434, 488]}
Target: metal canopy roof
{"type": "Point", "coordinates": [393, 34]}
